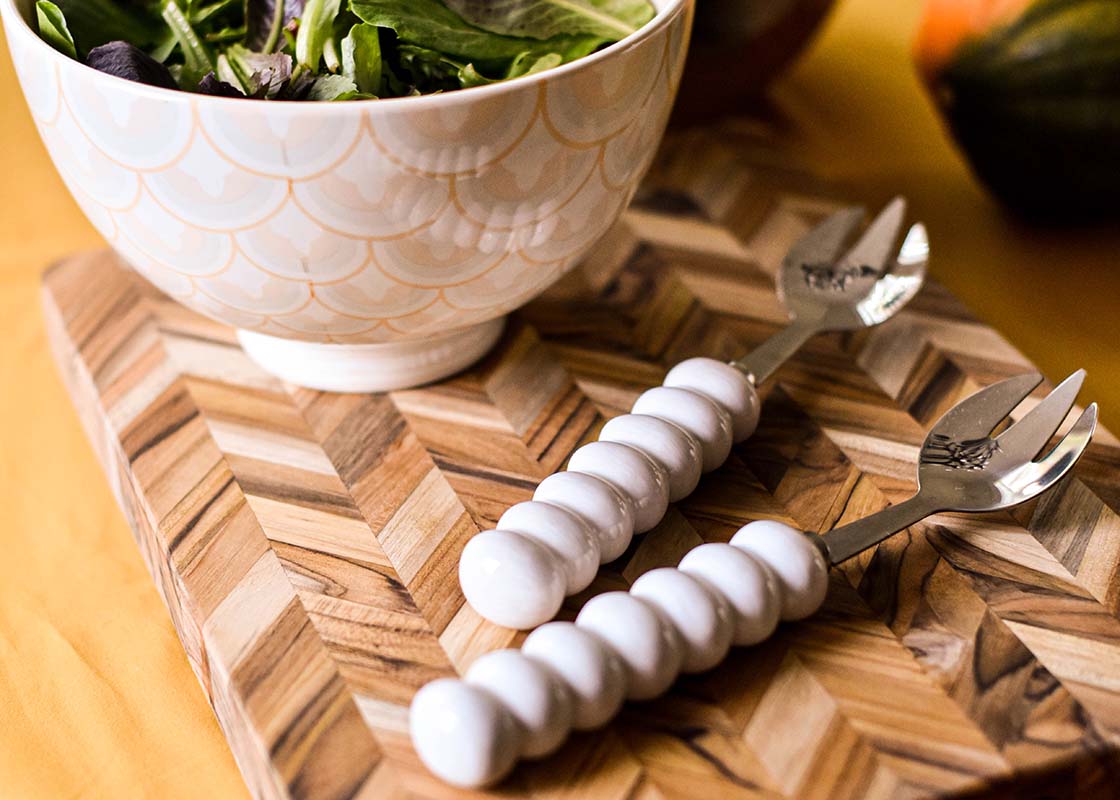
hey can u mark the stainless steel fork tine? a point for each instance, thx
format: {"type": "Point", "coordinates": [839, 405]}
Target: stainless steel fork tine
{"type": "Point", "coordinates": [913, 256]}
{"type": "Point", "coordinates": [822, 244]}
{"type": "Point", "coordinates": [876, 247]}
{"type": "Point", "coordinates": [1075, 441]}
{"type": "Point", "coordinates": [1026, 438]}
{"type": "Point", "coordinates": [898, 286]}
{"type": "Point", "coordinates": [976, 416]}
{"type": "Point", "coordinates": [1037, 476]}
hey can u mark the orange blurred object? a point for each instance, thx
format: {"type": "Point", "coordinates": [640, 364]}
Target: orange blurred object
{"type": "Point", "coordinates": [945, 24]}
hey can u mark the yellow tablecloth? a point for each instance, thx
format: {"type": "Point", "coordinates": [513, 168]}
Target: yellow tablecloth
{"type": "Point", "coordinates": [96, 698]}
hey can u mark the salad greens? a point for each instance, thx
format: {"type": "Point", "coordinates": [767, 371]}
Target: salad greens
{"type": "Point", "coordinates": [331, 49]}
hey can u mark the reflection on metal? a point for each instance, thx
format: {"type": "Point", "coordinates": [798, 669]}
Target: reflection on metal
{"type": "Point", "coordinates": [827, 288]}
{"type": "Point", "coordinates": [827, 276]}
{"type": "Point", "coordinates": [962, 468]}
{"type": "Point", "coordinates": [969, 454]}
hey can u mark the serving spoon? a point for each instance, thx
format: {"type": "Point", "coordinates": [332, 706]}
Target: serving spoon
{"type": "Point", "coordinates": [632, 645]}
{"type": "Point", "coordinates": [542, 550]}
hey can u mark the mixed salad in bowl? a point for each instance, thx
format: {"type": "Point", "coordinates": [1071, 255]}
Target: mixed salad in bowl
{"type": "Point", "coordinates": [332, 49]}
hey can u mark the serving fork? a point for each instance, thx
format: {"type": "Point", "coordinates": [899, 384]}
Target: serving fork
{"type": "Point", "coordinates": [632, 645]}
{"type": "Point", "coordinates": [518, 574]}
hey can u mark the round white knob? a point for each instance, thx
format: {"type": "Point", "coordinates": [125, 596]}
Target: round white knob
{"type": "Point", "coordinates": [535, 696]}
{"type": "Point", "coordinates": [649, 647]}
{"type": "Point", "coordinates": [632, 473]}
{"type": "Point", "coordinates": [676, 450]}
{"type": "Point", "coordinates": [463, 734]}
{"type": "Point", "coordinates": [562, 532]}
{"type": "Point", "coordinates": [797, 563]}
{"type": "Point", "coordinates": [723, 384]}
{"type": "Point", "coordinates": [597, 503]}
{"type": "Point", "coordinates": [511, 580]}
{"type": "Point", "coordinates": [749, 586]}
{"type": "Point", "coordinates": [701, 615]}
{"type": "Point", "coordinates": [593, 673]}
{"type": "Point", "coordinates": [704, 419]}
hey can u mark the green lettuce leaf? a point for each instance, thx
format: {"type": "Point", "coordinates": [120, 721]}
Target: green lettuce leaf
{"type": "Point", "coordinates": [469, 76]}
{"type": "Point", "coordinates": [361, 57]}
{"type": "Point", "coordinates": [331, 87]}
{"type": "Point", "coordinates": [52, 27]}
{"type": "Point", "coordinates": [97, 22]}
{"type": "Point", "coordinates": [428, 70]}
{"type": "Point", "coordinates": [545, 19]}
{"type": "Point", "coordinates": [432, 25]}
{"type": "Point", "coordinates": [197, 62]}
{"type": "Point", "coordinates": [316, 27]}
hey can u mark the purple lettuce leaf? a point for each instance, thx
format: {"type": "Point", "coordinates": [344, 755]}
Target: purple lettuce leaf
{"type": "Point", "coordinates": [212, 85]}
{"type": "Point", "coordinates": [131, 63]}
{"type": "Point", "coordinates": [264, 20]}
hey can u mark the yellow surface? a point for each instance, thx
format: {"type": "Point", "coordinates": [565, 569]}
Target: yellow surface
{"type": "Point", "coordinates": [96, 698]}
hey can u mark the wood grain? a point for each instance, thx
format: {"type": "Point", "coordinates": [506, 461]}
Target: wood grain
{"type": "Point", "coordinates": [306, 544]}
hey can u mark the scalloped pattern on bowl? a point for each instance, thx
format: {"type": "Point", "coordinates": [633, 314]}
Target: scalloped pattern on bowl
{"type": "Point", "coordinates": [367, 222]}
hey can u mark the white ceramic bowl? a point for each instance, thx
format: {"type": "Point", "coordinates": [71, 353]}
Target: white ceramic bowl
{"type": "Point", "coordinates": [367, 245]}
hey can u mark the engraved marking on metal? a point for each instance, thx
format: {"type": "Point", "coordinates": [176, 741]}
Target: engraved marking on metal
{"type": "Point", "coordinates": [972, 454]}
{"type": "Point", "coordinates": [829, 277]}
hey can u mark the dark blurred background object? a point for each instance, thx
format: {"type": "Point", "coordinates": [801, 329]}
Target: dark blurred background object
{"type": "Point", "coordinates": [738, 47]}
{"type": "Point", "coordinates": [1030, 90]}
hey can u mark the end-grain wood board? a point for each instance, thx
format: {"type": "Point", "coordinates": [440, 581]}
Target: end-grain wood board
{"type": "Point", "coordinates": [306, 543]}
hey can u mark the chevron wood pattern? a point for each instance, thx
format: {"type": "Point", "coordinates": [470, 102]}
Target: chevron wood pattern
{"type": "Point", "coordinates": [306, 544]}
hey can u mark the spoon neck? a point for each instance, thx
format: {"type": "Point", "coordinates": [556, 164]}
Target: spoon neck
{"type": "Point", "coordinates": [764, 360]}
{"type": "Point", "coordinates": [850, 540]}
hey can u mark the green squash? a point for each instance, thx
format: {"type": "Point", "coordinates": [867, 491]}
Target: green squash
{"type": "Point", "coordinates": [1035, 104]}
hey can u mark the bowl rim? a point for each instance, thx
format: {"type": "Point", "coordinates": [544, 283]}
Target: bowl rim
{"type": "Point", "coordinates": [667, 11]}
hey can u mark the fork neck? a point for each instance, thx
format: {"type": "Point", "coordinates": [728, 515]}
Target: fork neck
{"type": "Point", "coordinates": [851, 540]}
{"type": "Point", "coordinates": [764, 360]}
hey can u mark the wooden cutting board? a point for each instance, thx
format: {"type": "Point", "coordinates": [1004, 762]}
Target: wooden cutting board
{"type": "Point", "coordinates": [306, 544]}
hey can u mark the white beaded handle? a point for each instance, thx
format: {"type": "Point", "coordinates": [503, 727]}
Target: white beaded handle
{"type": "Point", "coordinates": [623, 645]}
{"type": "Point", "coordinates": [518, 574]}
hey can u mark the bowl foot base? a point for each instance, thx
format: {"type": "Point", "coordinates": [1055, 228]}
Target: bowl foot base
{"type": "Point", "coordinates": [371, 367]}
